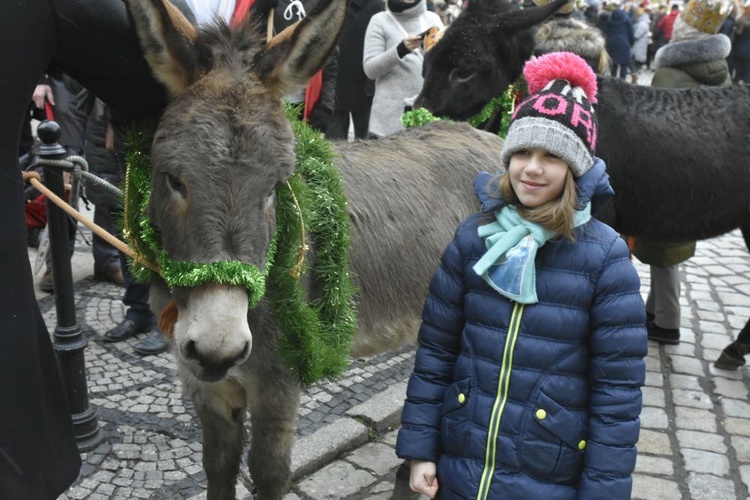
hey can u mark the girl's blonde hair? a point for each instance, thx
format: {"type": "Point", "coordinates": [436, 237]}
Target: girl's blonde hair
{"type": "Point", "coordinates": [555, 215]}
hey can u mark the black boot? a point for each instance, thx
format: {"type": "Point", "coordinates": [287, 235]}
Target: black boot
{"type": "Point", "coordinates": [733, 356]}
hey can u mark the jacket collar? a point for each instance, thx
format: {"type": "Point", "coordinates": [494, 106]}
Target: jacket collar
{"type": "Point", "coordinates": [710, 48]}
{"type": "Point", "coordinates": [593, 187]}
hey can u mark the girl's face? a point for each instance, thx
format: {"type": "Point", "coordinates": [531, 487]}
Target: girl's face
{"type": "Point", "coordinates": [537, 176]}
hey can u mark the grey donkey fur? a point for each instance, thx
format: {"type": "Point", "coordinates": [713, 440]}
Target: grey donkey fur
{"type": "Point", "coordinates": [222, 146]}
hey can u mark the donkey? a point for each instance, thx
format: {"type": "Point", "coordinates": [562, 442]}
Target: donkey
{"type": "Point", "coordinates": [222, 147]}
{"type": "Point", "coordinates": [677, 159]}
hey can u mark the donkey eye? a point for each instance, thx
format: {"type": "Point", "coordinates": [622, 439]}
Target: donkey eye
{"type": "Point", "coordinates": [459, 75]}
{"type": "Point", "coordinates": [175, 184]}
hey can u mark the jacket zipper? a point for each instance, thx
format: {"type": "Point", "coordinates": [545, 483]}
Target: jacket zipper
{"type": "Point", "coordinates": [502, 397]}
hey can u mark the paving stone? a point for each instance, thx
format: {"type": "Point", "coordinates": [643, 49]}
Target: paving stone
{"type": "Point", "coordinates": [654, 379]}
{"type": "Point", "coordinates": [687, 365]}
{"type": "Point", "coordinates": [654, 418]}
{"type": "Point", "coordinates": [653, 442]}
{"type": "Point", "coordinates": [735, 408]}
{"type": "Point", "coordinates": [654, 465]}
{"type": "Point", "coordinates": [741, 447]}
{"type": "Point", "coordinates": [384, 409]}
{"type": "Point", "coordinates": [686, 382]}
{"type": "Point", "coordinates": [311, 452]}
{"type": "Point", "coordinates": [653, 488]}
{"type": "Point", "coordinates": [693, 399]}
{"type": "Point", "coordinates": [705, 462]}
{"type": "Point", "coordinates": [708, 486]}
{"type": "Point", "coordinates": [335, 481]}
{"type": "Point", "coordinates": [739, 426]}
{"type": "Point", "coordinates": [375, 457]}
{"type": "Point", "coordinates": [732, 389]}
{"type": "Point", "coordinates": [653, 396]}
{"type": "Point", "coordinates": [695, 419]}
{"type": "Point", "coordinates": [701, 441]}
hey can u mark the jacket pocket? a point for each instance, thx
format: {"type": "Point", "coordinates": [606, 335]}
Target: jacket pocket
{"type": "Point", "coordinates": [456, 416]}
{"type": "Point", "coordinates": [553, 442]}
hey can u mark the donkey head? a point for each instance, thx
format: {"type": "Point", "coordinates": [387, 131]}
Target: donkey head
{"type": "Point", "coordinates": [222, 147]}
{"type": "Point", "coordinates": [480, 54]}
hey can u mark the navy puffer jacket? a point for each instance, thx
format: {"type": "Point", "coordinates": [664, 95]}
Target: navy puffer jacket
{"type": "Point", "coordinates": [541, 401]}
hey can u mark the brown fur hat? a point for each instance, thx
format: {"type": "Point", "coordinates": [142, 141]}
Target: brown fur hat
{"type": "Point", "coordinates": [571, 35]}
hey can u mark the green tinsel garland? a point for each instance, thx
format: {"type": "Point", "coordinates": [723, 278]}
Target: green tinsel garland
{"type": "Point", "coordinates": [506, 102]}
{"type": "Point", "coordinates": [317, 336]}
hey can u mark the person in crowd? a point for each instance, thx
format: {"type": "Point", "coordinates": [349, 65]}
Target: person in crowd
{"type": "Point", "coordinates": [393, 58]}
{"type": "Point", "coordinates": [666, 24]}
{"type": "Point", "coordinates": [618, 31]}
{"type": "Point", "coordinates": [528, 371]}
{"type": "Point", "coordinates": [354, 91]}
{"type": "Point", "coordinates": [741, 53]}
{"type": "Point", "coordinates": [62, 94]}
{"type": "Point", "coordinates": [657, 34]}
{"type": "Point", "coordinates": [93, 42]}
{"type": "Point", "coordinates": [696, 55]}
{"type": "Point", "coordinates": [642, 36]}
{"type": "Point", "coordinates": [109, 166]}
{"type": "Point", "coordinates": [318, 99]}
{"type": "Point", "coordinates": [106, 160]}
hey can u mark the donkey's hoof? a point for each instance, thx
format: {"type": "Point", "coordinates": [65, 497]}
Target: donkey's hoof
{"type": "Point", "coordinates": [732, 357]}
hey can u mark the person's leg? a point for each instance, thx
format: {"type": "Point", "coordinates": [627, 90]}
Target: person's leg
{"type": "Point", "coordinates": [40, 458]}
{"type": "Point", "coordinates": [361, 121]}
{"type": "Point", "coordinates": [665, 283]}
{"type": "Point", "coordinates": [338, 125]}
{"type": "Point", "coordinates": [106, 257]}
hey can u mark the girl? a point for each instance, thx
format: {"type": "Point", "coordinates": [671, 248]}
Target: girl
{"type": "Point", "coordinates": [530, 361]}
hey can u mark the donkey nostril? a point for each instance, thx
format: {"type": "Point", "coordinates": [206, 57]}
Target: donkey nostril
{"type": "Point", "coordinates": [190, 350]}
{"type": "Point", "coordinates": [245, 351]}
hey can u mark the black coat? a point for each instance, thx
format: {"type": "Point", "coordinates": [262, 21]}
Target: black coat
{"type": "Point", "coordinates": [354, 90]}
{"type": "Point", "coordinates": [92, 41]}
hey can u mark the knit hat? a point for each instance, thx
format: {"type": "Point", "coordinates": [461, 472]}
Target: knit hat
{"type": "Point", "coordinates": [706, 15]}
{"type": "Point", "coordinates": [558, 116]}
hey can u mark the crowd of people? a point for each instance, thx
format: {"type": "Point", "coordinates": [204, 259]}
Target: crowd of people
{"type": "Point", "coordinates": [538, 211]}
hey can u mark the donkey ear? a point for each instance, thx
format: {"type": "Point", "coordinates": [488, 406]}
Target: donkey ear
{"type": "Point", "coordinates": [291, 58]}
{"type": "Point", "coordinates": [518, 20]}
{"type": "Point", "coordinates": [167, 39]}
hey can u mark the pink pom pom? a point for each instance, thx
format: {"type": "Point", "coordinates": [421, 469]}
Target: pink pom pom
{"type": "Point", "coordinates": [539, 71]}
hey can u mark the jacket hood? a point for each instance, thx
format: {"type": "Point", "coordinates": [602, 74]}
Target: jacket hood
{"type": "Point", "coordinates": [593, 187]}
{"type": "Point", "coordinates": [700, 50]}
{"type": "Point", "coordinates": [618, 16]}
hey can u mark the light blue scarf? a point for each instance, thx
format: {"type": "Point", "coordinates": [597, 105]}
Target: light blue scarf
{"type": "Point", "coordinates": [512, 242]}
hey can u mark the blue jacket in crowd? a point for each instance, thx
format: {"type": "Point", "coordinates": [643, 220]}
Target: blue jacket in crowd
{"type": "Point", "coordinates": [536, 401]}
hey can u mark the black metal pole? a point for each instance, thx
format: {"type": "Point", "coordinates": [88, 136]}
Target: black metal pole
{"type": "Point", "coordinates": [68, 342]}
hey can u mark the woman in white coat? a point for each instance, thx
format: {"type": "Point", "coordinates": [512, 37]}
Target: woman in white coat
{"type": "Point", "coordinates": [642, 34]}
{"type": "Point", "coordinates": [393, 58]}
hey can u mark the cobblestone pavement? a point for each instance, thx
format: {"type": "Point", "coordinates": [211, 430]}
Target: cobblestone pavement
{"type": "Point", "coordinates": [695, 436]}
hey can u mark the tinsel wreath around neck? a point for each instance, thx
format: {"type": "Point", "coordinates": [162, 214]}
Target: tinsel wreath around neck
{"type": "Point", "coordinates": [504, 103]}
{"type": "Point", "coordinates": [317, 336]}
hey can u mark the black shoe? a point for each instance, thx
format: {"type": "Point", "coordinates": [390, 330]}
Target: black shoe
{"type": "Point", "coordinates": [155, 343]}
{"type": "Point", "coordinates": [126, 329]}
{"type": "Point", "coordinates": [663, 335]}
{"type": "Point", "coordinates": [732, 357]}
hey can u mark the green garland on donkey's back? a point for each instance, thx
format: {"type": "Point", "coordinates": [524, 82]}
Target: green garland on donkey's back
{"type": "Point", "coordinates": [317, 336]}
